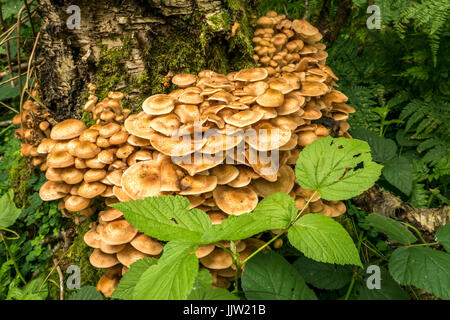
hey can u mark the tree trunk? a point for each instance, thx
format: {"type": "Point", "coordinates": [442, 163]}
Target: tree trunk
{"type": "Point", "coordinates": [132, 46]}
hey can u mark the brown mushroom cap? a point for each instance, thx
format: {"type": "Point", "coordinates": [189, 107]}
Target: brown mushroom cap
{"type": "Point", "coordinates": [59, 159]}
{"type": "Point", "coordinates": [198, 162]}
{"type": "Point", "coordinates": [71, 175]}
{"type": "Point", "coordinates": [251, 75]}
{"type": "Point", "coordinates": [53, 190]}
{"type": "Point", "coordinates": [268, 137]}
{"type": "Point", "coordinates": [244, 178]}
{"type": "Point", "coordinates": [84, 149]}
{"type": "Point", "coordinates": [197, 184]}
{"type": "Point", "coordinates": [184, 80]}
{"type": "Point", "coordinates": [147, 245]}
{"type": "Point", "coordinates": [158, 104]}
{"type": "Point", "coordinates": [271, 98]}
{"type": "Point", "coordinates": [67, 129]}
{"type": "Point", "coordinates": [166, 124]}
{"type": "Point", "coordinates": [217, 259]}
{"type": "Point", "coordinates": [217, 142]}
{"type": "Point", "coordinates": [94, 175]}
{"type": "Point", "coordinates": [99, 259]}
{"type": "Point", "coordinates": [142, 180]}
{"type": "Point", "coordinates": [244, 118]}
{"type": "Point", "coordinates": [76, 203]}
{"type": "Point", "coordinates": [120, 194]}
{"type": "Point", "coordinates": [111, 249]}
{"type": "Point", "coordinates": [225, 173]}
{"type": "Point", "coordinates": [139, 125]}
{"type": "Point", "coordinates": [54, 174]}
{"type": "Point", "coordinates": [129, 255]}
{"type": "Point", "coordinates": [91, 190]}
{"type": "Point", "coordinates": [177, 146]}
{"type": "Point", "coordinates": [46, 146]}
{"type": "Point", "coordinates": [187, 112]}
{"type": "Point", "coordinates": [313, 88]}
{"type": "Point", "coordinates": [235, 201]}
{"type": "Point", "coordinates": [106, 284]}
{"type": "Point", "coordinates": [110, 214]}
{"type": "Point", "coordinates": [284, 183]}
{"type": "Point", "coordinates": [118, 232]}
{"type": "Point", "coordinates": [92, 239]}
{"type": "Point", "coordinates": [204, 250]}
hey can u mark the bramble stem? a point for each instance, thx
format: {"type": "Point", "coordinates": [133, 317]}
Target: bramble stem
{"type": "Point", "coordinates": [12, 258]}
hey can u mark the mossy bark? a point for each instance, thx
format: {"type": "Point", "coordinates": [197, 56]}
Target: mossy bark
{"type": "Point", "coordinates": [131, 46]}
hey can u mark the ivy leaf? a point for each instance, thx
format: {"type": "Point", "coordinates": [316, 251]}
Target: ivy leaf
{"type": "Point", "coordinates": [274, 212]}
{"type": "Point", "coordinates": [399, 173]}
{"type": "Point", "coordinates": [389, 289]}
{"type": "Point", "coordinates": [338, 169]}
{"type": "Point", "coordinates": [129, 280]}
{"type": "Point", "coordinates": [173, 277]}
{"type": "Point", "coordinates": [382, 149]}
{"type": "Point", "coordinates": [393, 229]}
{"type": "Point", "coordinates": [8, 212]}
{"type": "Point", "coordinates": [86, 293]}
{"type": "Point", "coordinates": [322, 239]}
{"type": "Point", "coordinates": [202, 289]}
{"type": "Point", "coordinates": [443, 236]}
{"type": "Point", "coordinates": [166, 218]}
{"type": "Point", "coordinates": [421, 267]}
{"type": "Point", "coordinates": [268, 276]}
{"type": "Point", "coordinates": [323, 275]}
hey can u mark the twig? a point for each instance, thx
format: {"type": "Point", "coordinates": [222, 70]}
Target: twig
{"type": "Point", "coordinates": [11, 69]}
{"type": "Point", "coordinates": [19, 21]}
{"type": "Point", "coordinates": [13, 78]}
{"type": "Point", "coordinates": [306, 10]}
{"type": "Point", "coordinates": [29, 16]}
{"type": "Point", "coordinates": [61, 279]}
{"type": "Point", "coordinates": [5, 123]}
{"type": "Point", "coordinates": [8, 51]}
{"type": "Point", "coordinates": [10, 108]}
{"type": "Point", "coordinates": [5, 35]}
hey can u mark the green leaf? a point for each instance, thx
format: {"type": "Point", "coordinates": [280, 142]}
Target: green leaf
{"type": "Point", "coordinates": [382, 149]}
{"type": "Point", "coordinates": [338, 169]}
{"type": "Point", "coordinates": [202, 289]}
{"type": "Point", "coordinates": [33, 290]}
{"type": "Point", "coordinates": [323, 275]}
{"type": "Point", "coordinates": [268, 276]}
{"type": "Point", "coordinates": [323, 239]}
{"type": "Point", "coordinates": [422, 267]}
{"type": "Point", "coordinates": [86, 293]}
{"type": "Point", "coordinates": [389, 289]}
{"type": "Point", "coordinates": [129, 280]}
{"type": "Point", "coordinates": [393, 229]}
{"type": "Point", "coordinates": [399, 173]}
{"type": "Point", "coordinates": [274, 212]}
{"type": "Point", "coordinates": [443, 236]}
{"type": "Point", "coordinates": [166, 218]}
{"type": "Point", "coordinates": [173, 277]}
{"type": "Point", "coordinates": [8, 213]}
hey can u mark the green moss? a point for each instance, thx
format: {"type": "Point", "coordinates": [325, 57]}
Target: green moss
{"type": "Point", "coordinates": [19, 176]}
{"type": "Point", "coordinates": [220, 22]}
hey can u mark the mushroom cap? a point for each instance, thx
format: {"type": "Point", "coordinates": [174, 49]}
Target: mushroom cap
{"type": "Point", "coordinates": [284, 183]}
{"type": "Point", "coordinates": [60, 159]}
{"type": "Point", "coordinates": [177, 146]}
{"type": "Point", "coordinates": [304, 28]}
{"type": "Point", "coordinates": [267, 168]}
{"type": "Point", "coordinates": [142, 180]}
{"type": "Point", "coordinates": [291, 104]}
{"type": "Point", "coordinates": [118, 232]}
{"type": "Point", "coordinates": [100, 259]}
{"type": "Point", "coordinates": [169, 176]}
{"type": "Point", "coordinates": [217, 142]}
{"type": "Point", "coordinates": [109, 129]}
{"type": "Point", "coordinates": [271, 98]}
{"type": "Point", "coordinates": [166, 124]}
{"type": "Point", "coordinates": [251, 75]}
{"type": "Point", "coordinates": [267, 137]}
{"type": "Point", "coordinates": [244, 178]}
{"type": "Point", "coordinates": [184, 80]}
{"type": "Point", "coordinates": [71, 175]}
{"type": "Point", "coordinates": [76, 203]}
{"type": "Point", "coordinates": [106, 285]}
{"type": "Point", "coordinates": [92, 239]}
{"type": "Point", "coordinates": [306, 137]}
{"type": "Point", "coordinates": [46, 146]}
{"type": "Point", "coordinates": [244, 118]}
{"type": "Point", "coordinates": [197, 184]}
{"type": "Point", "coordinates": [225, 173]}
{"type": "Point", "coordinates": [187, 112]}
{"type": "Point", "coordinates": [217, 217]}
{"type": "Point", "coordinates": [110, 214]}
{"type": "Point", "coordinates": [313, 88]}
{"type": "Point", "coordinates": [137, 141]}
{"type": "Point", "coordinates": [111, 249]}
{"type": "Point", "coordinates": [139, 125]}
{"type": "Point", "coordinates": [53, 190]}
{"type": "Point", "coordinates": [204, 250]}
{"type": "Point", "coordinates": [158, 104]}
{"type": "Point", "coordinates": [147, 245]}
{"type": "Point", "coordinates": [217, 259]}
{"type": "Point", "coordinates": [199, 162]}
{"type": "Point", "coordinates": [190, 97]}
{"type": "Point", "coordinates": [129, 255]}
{"type": "Point", "coordinates": [91, 190]}
{"type": "Point", "coordinates": [67, 129]}
{"type": "Point", "coordinates": [235, 201]}
{"type": "Point", "coordinates": [89, 135]}
{"type": "Point", "coordinates": [115, 177]}
{"type": "Point", "coordinates": [84, 149]}
{"type": "Point", "coordinates": [120, 194]}
{"type": "Point", "coordinates": [94, 175]}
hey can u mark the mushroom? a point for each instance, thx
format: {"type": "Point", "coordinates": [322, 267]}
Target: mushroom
{"type": "Point", "coordinates": [235, 201]}
{"type": "Point", "coordinates": [100, 259]}
{"type": "Point", "coordinates": [118, 232]}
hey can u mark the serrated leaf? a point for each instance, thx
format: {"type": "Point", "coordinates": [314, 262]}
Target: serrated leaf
{"type": "Point", "coordinates": [389, 289]}
{"type": "Point", "coordinates": [399, 173]}
{"type": "Point", "coordinates": [274, 212]}
{"type": "Point", "coordinates": [338, 169]}
{"type": "Point", "coordinates": [405, 140]}
{"type": "Point", "coordinates": [86, 293]}
{"type": "Point", "coordinates": [443, 236]}
{"type": "Point", "coordinates": [323, 275]}
{"type": "Point", "coordinates": [129, 280]}
{"type": "Point", "coordinates": [268, 276]}
{"type": "Point", "coordinates": [8, 212]}
{"type": "Point", "coordinates": [322, 239]}
{"type": "Point", "coordinates": [165, 218]}
{"type": "Point", "coordinates": [172, 278]}
{"type": "Point", "coordinates": [202, 289]}
{"type": "Point", "coordinates": [382, 149]}
{"type": "Point", "coordinates": [421, 267]}
{"type": "Point", "coordinates": [393, 229]}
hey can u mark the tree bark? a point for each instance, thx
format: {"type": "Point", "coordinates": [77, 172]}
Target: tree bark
{"type": "Point", "coordinates": [132, 46]}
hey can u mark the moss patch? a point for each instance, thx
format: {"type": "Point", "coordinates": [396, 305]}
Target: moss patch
{"type": "Point", "coordinates": [19, 176]}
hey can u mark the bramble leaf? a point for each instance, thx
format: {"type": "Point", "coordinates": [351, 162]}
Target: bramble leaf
{"type": "Point", "coordinates": [393, 229]}
{"type": "Point", "coordinates": [338, 169]}
{"type": "Point", "coordinates": [8, 211]}
{"type": "Point", "coordinates": [86, 293]}
{"type": "Point", "coordinates": [399, 173]}
{"type": "Point", "coordinates": [323, 239]}
{"type": "Point", "coordinates": [443, 236]}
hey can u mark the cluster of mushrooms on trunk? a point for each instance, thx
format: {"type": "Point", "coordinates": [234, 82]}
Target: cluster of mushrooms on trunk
{"type": "Point", "coordinates": [126, 156]}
